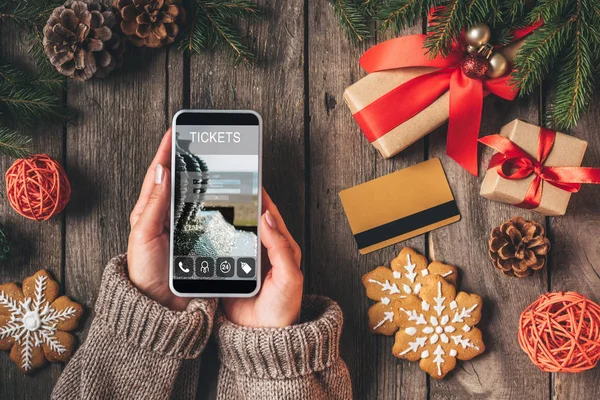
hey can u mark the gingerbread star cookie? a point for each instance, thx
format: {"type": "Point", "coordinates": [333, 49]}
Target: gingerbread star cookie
{"type": "Point", "coordinates": [406, 276]}
{"type": "Point", "coordinates": [438, 327]}
{"type": "Point", "coordinates": [34, 322]}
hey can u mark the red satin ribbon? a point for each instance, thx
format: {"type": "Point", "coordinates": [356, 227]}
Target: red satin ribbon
{"type": "Point", "coordinates": [412, 97]}
{"type": "Point", "coordinates": [512, 162]}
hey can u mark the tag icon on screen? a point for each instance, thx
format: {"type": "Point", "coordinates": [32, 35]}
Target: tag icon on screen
{"type": "Point", "coordinates": [246, 267]}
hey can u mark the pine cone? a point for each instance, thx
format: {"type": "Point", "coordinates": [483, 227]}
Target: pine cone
{"type": "Point", "coordinates": [80, 41]}
{"type": "Point", "coordinates": [150, 23]}
{"type": "Point", "coordinates": [519, 247]}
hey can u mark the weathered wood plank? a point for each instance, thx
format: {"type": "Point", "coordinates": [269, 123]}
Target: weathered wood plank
{"type": "Point", "coordinates": [108, 151]}
{"type": "Point", "coordinates": [340, 157]}
{"type": "Point", "coordinates": [503, 371]}
{"type": "Point", "coordinates": [34, 245]}
{"type": "Point", "coordinates": [275, 89]}
{"type": "Point", "coordinates": [575, 261]}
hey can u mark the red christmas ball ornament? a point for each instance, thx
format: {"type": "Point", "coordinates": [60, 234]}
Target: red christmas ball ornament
{"type": "Point", "coordinates": [37, 187]}
{"type": "Point", "coordinates": [560, 332]}
{"type": "Point", "coordinates": [474, 66]}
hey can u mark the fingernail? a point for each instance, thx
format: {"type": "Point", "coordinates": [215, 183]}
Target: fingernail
{"type": "Point", "coordinates": [270, 220]}
{"type": "Point", "coordinates": [158, 177]}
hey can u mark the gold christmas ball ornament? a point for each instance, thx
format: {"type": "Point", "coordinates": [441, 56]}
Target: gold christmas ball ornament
{"type": "Point", "coordinates": [498, 65]}
{"type": "Point", "coordinates": [478, 35]}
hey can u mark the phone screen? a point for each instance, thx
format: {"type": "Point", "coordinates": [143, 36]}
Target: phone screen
{"type": "Point", "coordinates": [216, 202]}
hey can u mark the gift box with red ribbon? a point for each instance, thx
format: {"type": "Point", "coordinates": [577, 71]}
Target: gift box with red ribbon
{"type": "Point", "coordinates": [535, 168]}
{"type": "Point", "coordinates": [407, 94]}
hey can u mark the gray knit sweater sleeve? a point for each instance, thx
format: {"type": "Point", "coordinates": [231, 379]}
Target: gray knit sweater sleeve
{"type": "Point", "coordinates": [135, 347]}
{"type": "Point", "coordinates": [297, 362]}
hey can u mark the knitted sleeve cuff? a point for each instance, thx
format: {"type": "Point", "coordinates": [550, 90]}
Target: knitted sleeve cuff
{"type": "Point", "coordinates": [131, 316]}
{"type": "Point", "coordinates": [279, 353]}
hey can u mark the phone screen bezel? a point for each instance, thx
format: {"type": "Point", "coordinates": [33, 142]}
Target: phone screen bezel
{"type": "Point", "coordinates": [213, 287]}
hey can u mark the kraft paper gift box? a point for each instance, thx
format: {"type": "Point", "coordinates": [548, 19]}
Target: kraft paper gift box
{"type": "Point", "coordinates": [567, 151]}
{"type": "Point", "coordinates": [376, 84]}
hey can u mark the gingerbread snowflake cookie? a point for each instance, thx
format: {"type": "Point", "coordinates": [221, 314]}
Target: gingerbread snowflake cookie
{"type": "Point", "coordinates": [34, 322]}
{"type": "Point", "coordinates": [438, 327]}
{"type": "Point", "coordinates": [406, 276]}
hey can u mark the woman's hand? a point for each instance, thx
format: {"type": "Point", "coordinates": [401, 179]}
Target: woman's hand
{"type": "Point", "coordinates": [278, 302]}
{"type": "Point", "coordinates": [148, 250]}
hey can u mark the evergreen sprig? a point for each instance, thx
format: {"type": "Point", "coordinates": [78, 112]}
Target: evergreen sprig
{"type": "Point", "coordinates": [565, 50]}
{"type": "Point", "coordinates": [13, 143]}
{"type": "Point", "coordinates": [355, 17]}
{"type": "Point", "coordinates": [214, 23]}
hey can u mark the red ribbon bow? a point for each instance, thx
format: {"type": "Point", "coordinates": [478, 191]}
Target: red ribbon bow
{"type": "Point", "coordinates": [512, 162]}
{"type": "Point", "coordinates": [410, 98]}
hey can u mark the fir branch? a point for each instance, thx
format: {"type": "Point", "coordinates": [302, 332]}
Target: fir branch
{"type": "Point", "coordinates": [446, 25]}
{"type": "Point", "coordinates": [28, 104]}
{"type": "Point", "coordinates": [399, 14]}
{"type": "Point", "coordinates": [213, 23]}
{"type": "Point", "coordinates": [575, 82]}
{"type": "Point", "coordinates": [354, 19]}
{"type": "Point", "coordinates": [13, 143]}
{"type": "Point", "coordinates": [539, 53]}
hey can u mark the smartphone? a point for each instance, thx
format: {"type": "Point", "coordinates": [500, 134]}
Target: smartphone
{"type": "Point", "coordinates": [216, 189]}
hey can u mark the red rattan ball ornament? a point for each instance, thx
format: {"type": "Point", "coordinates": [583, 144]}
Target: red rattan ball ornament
{"type": "Point", "coordinates": [37, 187]}
{"type": "Point", "coordinates": [474, 66]}
{"type": "Point", "coordinates": [560, 332]}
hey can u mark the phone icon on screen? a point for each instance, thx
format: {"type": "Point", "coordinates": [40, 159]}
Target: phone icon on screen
{"type": "Point", "coordinates": [183, 267]}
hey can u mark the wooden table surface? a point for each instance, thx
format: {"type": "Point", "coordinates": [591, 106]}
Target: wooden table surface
{"type": "Point", "coordinates": [312, 150]}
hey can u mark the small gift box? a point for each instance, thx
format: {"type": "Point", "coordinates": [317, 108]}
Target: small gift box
{"type": "Point", "coordinates": [535, 168]}
{"type": "Point", "coordinates": [377, 84]}
{"type": "Point", "coordinates": [406, 95]}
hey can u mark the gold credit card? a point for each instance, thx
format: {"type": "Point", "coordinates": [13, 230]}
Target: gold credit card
{"type": "Point", "coordinates": [399, 206]}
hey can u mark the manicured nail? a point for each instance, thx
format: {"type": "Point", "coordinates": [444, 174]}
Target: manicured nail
{"type": "Point", "coordinates": [158, 177]}
{"type": "Point", "coordinates": [270, 220]}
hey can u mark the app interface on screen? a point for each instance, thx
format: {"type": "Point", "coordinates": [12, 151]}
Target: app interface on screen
{"type": "Point", "coordinates": [216, 202]}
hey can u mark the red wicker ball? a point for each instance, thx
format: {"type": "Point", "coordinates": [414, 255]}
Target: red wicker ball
{"type": "Point", "coordinates": [560, 332]}
{"type": "Point", "coordinates": [37, 187]}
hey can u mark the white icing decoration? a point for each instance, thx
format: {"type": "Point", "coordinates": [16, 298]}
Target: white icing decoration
{"type": "Point", "coordinates": [386, 287]}
{"type": "Point", "coordinates": [414, 346]}
{"type": "Point", "coordinates": [447, 273]}
{"type": "Point", "coordinates": [465, 313]}
{"type": "Point", "coordinates": [397, 275]}
{"type": "Point", "coordinates": [385, 300]}
{"type": "Point", "coordinates": [417, 288]}
{"type": "Point", "coordinates": [439, 360]}
{"type": "Point", "coordinates": [414, 316]}
{"type": "Point", "coordinates": [407, 288]}
{"type": "Point", "coordinates": [439, 300]}
{"type": "Point", "coordinates": [425, 272]}
{"type": "Point", "coordinates": [438, 328]}
{"type": "Point", "coordinates": [463, 342]}
{"type": "Point", "coordinates": [410, 268]}
{"type": "Point", "coordinates": [388, 316]}
{"type": "Point", "coordinates": [33, 322]}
